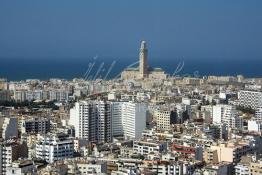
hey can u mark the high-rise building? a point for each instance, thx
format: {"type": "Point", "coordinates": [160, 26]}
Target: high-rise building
{"type": "Point", "coordinates": [92, 121]}
{"type": "Point", "coordinates": [99, 121]}
{"type": "Point", "coordinates": [133, 119]}
{"type": "Point", "coordinates": [117, 126]}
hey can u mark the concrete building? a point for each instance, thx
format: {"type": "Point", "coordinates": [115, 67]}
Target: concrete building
{"type": "Point", "coordinates": [35, 125]}
{"type": "Point", "coordinates": [92, 121]}
{"type": "Point", "coordinates": [252, 99]}
{"type": "Point", "coordinates": [9, 152]}
{"type": "Point", "coordinates": [165, 119]}
{"type": "Point", "coordinates": [5, 95]}
{"type": "Point", "coordinates": [22, 167]}
{"type": "Point", "coordinates": [144, 147]}
{"type": "Point", "coordinates": [58, 95]}
{"type": "Point", "coordinates": [258, 114]}
{"type": "Point", "coordinates": [256, 168]}
{"type": "Point", "coordinates": [133, 119]}
{"type": "Point", "coordinates": [227, 152]}
{"type": "Point", "coordinates": [254, 126]}
{"type": "Point", "coordinates": [54, 147]}
{"type": "Point", "coordinates": [143, 70]}
{"type": "Point", "coordinates": [117, 123]}
{"type": "Point", "coordinates": [8, 127]}
{"type": "Point", "coordinates": [226, 114]}
{"type": "Point", "coordinates": [242, 169]}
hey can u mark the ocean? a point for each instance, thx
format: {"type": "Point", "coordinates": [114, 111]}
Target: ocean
{"type": "Point", "coordinates": [21, 69]}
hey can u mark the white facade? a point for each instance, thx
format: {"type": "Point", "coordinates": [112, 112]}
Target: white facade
{"type": "Point", "coordinates": [53, 147]}
{"type": "Point", "coordinates": [51, 94]}
{"type": "Point", "coordinates": [241, 169]}
{"type": "Point", "coordinates": [92, 121]}
{"type": "Point", "coordinates": [259, 114]}
{"type": "Point", "coordinates": [254, 126]}
{"type": "Point", "coordinates": [134, 119]}
{"type": "Point", "coordinates": [226, 114]}
{"type": "Point", "coordinates": [117, 126]}
{"type": "Point", "coordinates": [147, 147]}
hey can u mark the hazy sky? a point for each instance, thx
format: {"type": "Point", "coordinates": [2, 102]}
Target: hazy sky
{"type": "Point", "coordinates": [57, 29]}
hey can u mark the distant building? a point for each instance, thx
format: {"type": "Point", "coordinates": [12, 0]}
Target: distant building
{"type": "Point", "coordinates": [5, 95]}
{"type": "Point", "coordinates": [143, 71]}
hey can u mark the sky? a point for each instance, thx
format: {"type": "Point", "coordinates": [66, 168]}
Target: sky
{"type": "Point", "coordinates": [69, 29]}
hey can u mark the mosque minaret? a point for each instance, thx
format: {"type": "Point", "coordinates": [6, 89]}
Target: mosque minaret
{"type": "Point", "coordinates": [143, 71]}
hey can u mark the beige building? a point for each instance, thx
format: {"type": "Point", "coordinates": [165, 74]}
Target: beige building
{"type": "Point", "coordinates": [143, 70]}
{"type": "Point", "coordinates": [164, 119]}
{"type": "Point", "coordinates": [256, 168]}
{"type": "Point", "coordinates": [227, 152]}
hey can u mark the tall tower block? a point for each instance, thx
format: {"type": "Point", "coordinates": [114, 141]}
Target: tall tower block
{"type": "Point", "coordinates": [143, 68]}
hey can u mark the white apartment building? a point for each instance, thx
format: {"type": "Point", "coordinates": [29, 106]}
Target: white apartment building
{"type": "Point", "coordinates": [258, 114]}
{"type": "Point", "coordinates": [53, 147]}
{"type": "Point", "coordinates": [226, 114]}
{"type": "Point", "coordinates": [51, 94]}
{"type": "Point", "coordinates": [172, 168]}
{"type": "Point", "coordinates": [92, 121]}
{"type": "Point", "coordinates": [133, 119]}
{"type": "Point", "coordinates": [254, 126]}
{"type": "Point", "coordinates": [117, 126]}
{"type": "Point", "coordinates": [252, 99]}
{"type": "Point", "coordinates": [146, 147]}
{"type": "Point", "coordinates": [242, 169]}
{"type": "Point", "coordinates": [98, 121]}
{"type": "Point", "coordinates": [58, 95]}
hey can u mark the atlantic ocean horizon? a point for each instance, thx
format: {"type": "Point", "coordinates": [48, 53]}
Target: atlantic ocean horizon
{"type": "Point", "coordinates": [21, 69]}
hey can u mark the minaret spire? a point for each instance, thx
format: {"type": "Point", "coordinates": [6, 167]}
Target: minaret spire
{"type": "Point", "coordinates": [143, 68]}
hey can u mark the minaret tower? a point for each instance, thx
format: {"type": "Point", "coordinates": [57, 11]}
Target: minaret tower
{"type": "Point", "coordinates": [143, 68]}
